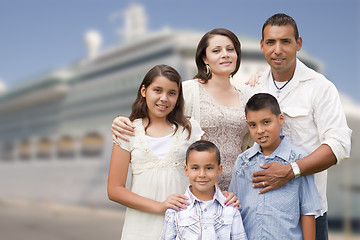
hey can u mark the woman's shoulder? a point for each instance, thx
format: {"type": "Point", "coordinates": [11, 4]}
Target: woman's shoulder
{"type": "Point", "coordinates": [190, 82]}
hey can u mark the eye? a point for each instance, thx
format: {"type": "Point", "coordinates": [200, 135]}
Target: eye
{"type": "Point", "coordinates": [157, 90]}
{"type": "Point", "coordinates": [209, 168]}
{"type": "Point", "coordinates": [287, 41]}
{"type": "Point", "coordinates": [231, 49]}
{"type": "Point", "coordinates": [266, 122]}
{"type": "Point", "coordinates": [215, 50]}
{"type": "Point", "coordinates": [270, 42]}
{"type": "Point", "coordinates": [172, 93]}
{"type": "Point", "coordinates": [194, 168]}
{"type": "Point", "coordinates": [251, 125]}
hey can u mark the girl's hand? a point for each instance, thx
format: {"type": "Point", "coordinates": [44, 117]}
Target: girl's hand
{"type": "Point", "coordinates": [253, 79]}
{"type": "Point", "coordinates": [121, 126]}
{"type": "Point", "coordinates": [175, 201]}
{"type": "Point", "coordinates": [231, 199]}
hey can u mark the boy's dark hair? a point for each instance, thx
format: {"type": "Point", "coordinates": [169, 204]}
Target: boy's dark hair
{"type": "Point", "coordinates": [202, 146]}
{"type": "Point", "coordinates": [263, 100]}
{"type": "Point", "coordinates": [281, 19]}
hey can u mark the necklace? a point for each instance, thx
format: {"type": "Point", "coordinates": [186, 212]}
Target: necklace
{"type": "Point", "coordinates": [279, 88]}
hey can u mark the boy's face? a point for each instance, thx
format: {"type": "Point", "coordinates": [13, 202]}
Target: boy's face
{"type": "Point", "coordinates": [203, 169]}
{"type": "Point", "coordinates": [264, 127]}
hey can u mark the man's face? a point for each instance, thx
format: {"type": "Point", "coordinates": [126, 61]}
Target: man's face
{"type": "Point", "coordinates": [279, 47]}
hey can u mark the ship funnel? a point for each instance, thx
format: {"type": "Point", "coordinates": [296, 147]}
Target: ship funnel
{"type": "Point", "coordinates": [93, 41]}
{"type": "Point", "coordinates": [135, 21]}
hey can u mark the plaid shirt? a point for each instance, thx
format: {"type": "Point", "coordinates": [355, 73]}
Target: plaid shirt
{"type": "Point", "coordinates": [204, 220]}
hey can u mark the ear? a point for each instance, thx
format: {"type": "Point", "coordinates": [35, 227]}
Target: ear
{"type": "Point", "coordinates": [143, 91]}
{"type": "Point", "coordinates": [298, 44]}
{"type": "Point", "coordinates": [281, 119]}
{"type": "Point", "coordinates": [220, 170]}
{"type": "Point", "coordinates": [205, 60]}
{"type": "Point", "coordinates": [261, 45]}
{"type": "Point", "coordinates": [186, 170]}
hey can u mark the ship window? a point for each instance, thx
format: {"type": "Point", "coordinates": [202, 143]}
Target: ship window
{"type": "Point", "coordinates": [25, 150]}
{"type": "Point", "coordinates": [44, 148]}
{"type": "Point", "coordinates": [7, 151]}
{"type": "Point", "coordinates": [65, 147]}
{"type": "Point", "coordinates": [92, 145]}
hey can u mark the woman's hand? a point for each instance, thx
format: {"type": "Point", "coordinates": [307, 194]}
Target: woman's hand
{"type": "Point", "coordinates": [231, 199]}
{"type": "Point", "coordinates": [174, 201]}
{"type": "Point", "coordinates": [121, 127]}
{"type": "Point", "coordinates": [253, 79]}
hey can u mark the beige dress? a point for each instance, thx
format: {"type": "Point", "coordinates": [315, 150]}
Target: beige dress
{"type": "Point", "coordinates": [226, 128]}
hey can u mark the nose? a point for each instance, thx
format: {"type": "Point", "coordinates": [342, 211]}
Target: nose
{"type": "Point", "coordinates": [202, 172]}
{"type": "Point", "coordinates": [260, 129]}
{"type": "Point", "coordinates": [277, 49]}
{"type": "Point", "coordinates": [163, 97]}
{"type": "Point", "coordinates": [225, 53]}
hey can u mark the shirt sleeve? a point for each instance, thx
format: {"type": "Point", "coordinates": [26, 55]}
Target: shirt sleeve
{"type": "Point", "coordinates": [237, 227]}
{"type": "Point", "coordinates": [309, 197]}
{"type": "Point", "coordinates": [233, 187]}
{"type": "Point", "coordinates": [196, 131]}
{"type": "Point", "coordinates": [169, 229]}
{"type": "Point", "coordinates": [331, 122]}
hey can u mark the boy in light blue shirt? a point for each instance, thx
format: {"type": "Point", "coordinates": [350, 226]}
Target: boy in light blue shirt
{"type": "Point", "coordinates": [206, 217]}
{"type": "Point", "coordinates": [285, 213]}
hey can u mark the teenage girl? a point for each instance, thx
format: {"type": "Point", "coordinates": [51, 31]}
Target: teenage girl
{"type": "Point", "coordinates": [156, 155]}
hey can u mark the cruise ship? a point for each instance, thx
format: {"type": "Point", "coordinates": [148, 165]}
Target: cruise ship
{"type": "Point", "coordinates": [55, 140]}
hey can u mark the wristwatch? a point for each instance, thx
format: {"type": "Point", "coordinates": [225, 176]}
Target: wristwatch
{"type": "Point", "coordinates": [295, 169]}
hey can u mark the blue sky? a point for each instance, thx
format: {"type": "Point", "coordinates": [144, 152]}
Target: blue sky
{"type": "Point", "coordinates": [39, 35]}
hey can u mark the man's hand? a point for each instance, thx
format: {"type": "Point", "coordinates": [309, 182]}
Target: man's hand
{"type": "Point", "coordinates": [274, 176]}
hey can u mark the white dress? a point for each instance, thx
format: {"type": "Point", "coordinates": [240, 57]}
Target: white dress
{"type": "Point", "coordinates": [155, 178]}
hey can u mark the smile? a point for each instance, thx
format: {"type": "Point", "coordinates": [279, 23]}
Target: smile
{"type": "Point", "coordinates": [161, 107]}
{"type": "Point", "coordinates": [263, 139]}
{"type": "Point", "coordinates": [225, 63]}
{"type": "Point", "coordinates": [202, 182]}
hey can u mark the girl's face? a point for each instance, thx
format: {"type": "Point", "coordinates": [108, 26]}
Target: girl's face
{"type": "Point", "coordinates": [161, 97]}
{"type": "Point", "coordinates": [221, 55]}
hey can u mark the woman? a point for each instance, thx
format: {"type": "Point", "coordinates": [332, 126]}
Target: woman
{"type": "Point", "coordinates": [212, 100]}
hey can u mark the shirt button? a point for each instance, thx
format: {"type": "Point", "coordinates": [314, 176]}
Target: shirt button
{"type": "Point", "coordinates": [222, 221]}
{"type": "Point", "coordinates": [205, 227]}
{"type": "Point", "coordinates": [205, 210]}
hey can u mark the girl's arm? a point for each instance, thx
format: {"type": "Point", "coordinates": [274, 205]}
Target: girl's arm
{"type": "Point", "coordinates": [118, 169]}
{"type": "Point", "coordinates": [308, 227]}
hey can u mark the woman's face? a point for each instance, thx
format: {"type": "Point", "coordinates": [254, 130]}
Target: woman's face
{"type": "Point", "coordinates": [221, 56]}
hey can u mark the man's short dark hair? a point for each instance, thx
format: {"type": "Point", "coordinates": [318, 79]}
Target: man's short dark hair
{"type": "Point", "coordinates": [202, 146]}
{"type": "Point", "coordinates": [281, 19]}
{"type": "Point", "coordinates": [261, 101]}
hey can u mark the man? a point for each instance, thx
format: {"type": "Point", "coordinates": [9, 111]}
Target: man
{"type": "Point", "coordinates": [314, 118]}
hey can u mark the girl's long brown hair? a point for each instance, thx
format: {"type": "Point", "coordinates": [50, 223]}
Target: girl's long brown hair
{"type": "Point", "coordinates": [176, 116]}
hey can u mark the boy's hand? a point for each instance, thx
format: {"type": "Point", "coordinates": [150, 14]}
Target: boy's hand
{"type": "Point", "coordinates": [273, 177]}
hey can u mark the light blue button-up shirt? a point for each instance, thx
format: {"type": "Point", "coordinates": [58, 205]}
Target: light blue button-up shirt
{"type": "Point", "coordinates": [204, 220]}
{"type": "Point", "coordinates": [275, 214]}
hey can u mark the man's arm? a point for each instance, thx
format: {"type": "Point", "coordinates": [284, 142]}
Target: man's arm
{"type": "Point", "coordinates": [277, 175]}
{"type": "Point", "coordinates": [335, 145]}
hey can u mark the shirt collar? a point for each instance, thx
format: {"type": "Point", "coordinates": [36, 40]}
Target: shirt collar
{"type": "Point", "coordinates": [282, 151]}
{"type": "Point", "coordinates": [301, 73]}
{"type": "Point", "coordinates": [218, 196]}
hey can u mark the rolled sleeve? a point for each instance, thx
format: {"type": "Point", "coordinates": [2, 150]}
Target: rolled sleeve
{"type": "Point", "coordinates": [331, 121]}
